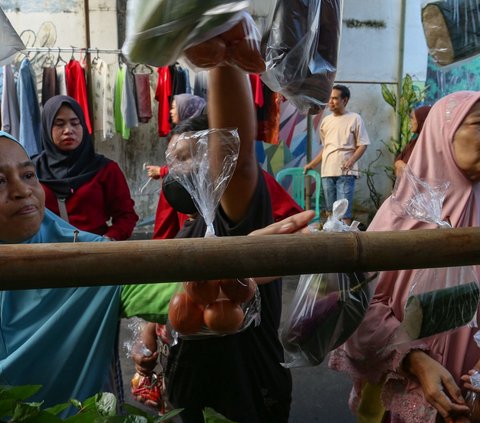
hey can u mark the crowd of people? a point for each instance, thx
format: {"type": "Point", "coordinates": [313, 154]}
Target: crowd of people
{"type": "Point", "coordinates": [69, 193]}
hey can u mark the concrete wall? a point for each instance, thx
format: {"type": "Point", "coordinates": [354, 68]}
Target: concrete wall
{"type": "Point", "coordinates": [368, 56]}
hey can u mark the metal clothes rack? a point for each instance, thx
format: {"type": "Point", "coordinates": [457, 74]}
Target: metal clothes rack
{"type": "Point", "coordinates": [72, 50]}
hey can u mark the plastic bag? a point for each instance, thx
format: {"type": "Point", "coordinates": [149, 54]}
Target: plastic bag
{"type": "Point", "coordinates": [158, 32]}
{"type": "Point", "coordinates": [301, 50]}
{"type": "Point", "coordinates": [451, 29]}
{"type": "Point", "coordinates": [10, 42]}
{"type": "Point", "coordinates": [439, 299]}
{"type": "Point", "coordinates": [326, 308]}
{"type": "Point", "coordinates": [203, 163]}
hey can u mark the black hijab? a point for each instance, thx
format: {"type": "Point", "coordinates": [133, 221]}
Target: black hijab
{"type": "Point", "coordinates": [65, 171]}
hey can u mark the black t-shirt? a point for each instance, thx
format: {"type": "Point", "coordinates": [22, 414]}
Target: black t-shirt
{"type": "Point", "coordinates": [239, 375]}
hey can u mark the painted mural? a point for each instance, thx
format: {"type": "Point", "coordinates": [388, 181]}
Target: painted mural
{"type": "Point", "coordinates": [443, 80]}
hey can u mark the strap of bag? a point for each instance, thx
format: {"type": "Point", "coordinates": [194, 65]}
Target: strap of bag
{"type": "Point", "coordinates": [62, 208]}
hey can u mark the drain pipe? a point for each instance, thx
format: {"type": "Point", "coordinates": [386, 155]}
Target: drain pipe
{"type": "Point", "coordinates": [401, 53]}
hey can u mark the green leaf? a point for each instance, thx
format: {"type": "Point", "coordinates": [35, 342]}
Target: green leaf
{"type": "Point", "coordinates": [25, 411]}
{"type": "Point", "coordinates": [106, 404]}
{"type": "Point", "coordinates": [57, 409]}
{"type": "Point", "coordinates": [211, 416]}
{"type": "Point", "coordinates": [19, 393]}
{"type": "Point", "coordinates": [134, 410]}
{"type": "Point", "coordinates": [7, 407]}
{"type": "Point", "coordinates": [389, 96]}
{"type": "Point", "coordinates": [171, 414]}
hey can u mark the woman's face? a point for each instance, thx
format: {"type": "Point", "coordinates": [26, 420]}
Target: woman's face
{"type": "Point", "coordinates": [466, 144]}
{"type": "Point", "coordinates": [174, 113]}
{"type": "Point", "coordinates": [413, 122]}
{"type": "Point", "coordinates": [22, 199]}
{"type": "Point", "coordinates": [67, 130]}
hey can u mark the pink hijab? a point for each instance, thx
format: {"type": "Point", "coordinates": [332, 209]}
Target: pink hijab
{"type": "Point", "coordinates": [364, 355]}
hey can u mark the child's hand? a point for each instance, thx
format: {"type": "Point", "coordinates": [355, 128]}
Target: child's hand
{"type": "Point", "coordinates": [145, 364]}
{"type": "Point", "coordinates": [469, 383]}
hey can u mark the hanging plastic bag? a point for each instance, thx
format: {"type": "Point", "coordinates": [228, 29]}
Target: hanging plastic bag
{"type": "Point", "coordinates": [451, 29]}
{"type": "Point", "coordinates": [301, 50]}
{"type": "Point", "coordinates": [326, 308]}
{"type": "Point", "coordinates": [210, 32]}
{"type": "Point", "coordinates": [203, 163]}
{"type": "Point", "coordinates": [10, 42]}
{"type": "Point", "coordinates": [472, 397]}
{"type": "Point", "coordinates": [439, 299]}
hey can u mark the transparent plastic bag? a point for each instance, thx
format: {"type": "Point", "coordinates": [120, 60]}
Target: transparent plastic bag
{"type": "Point", "coordinates": [10, 42]}
{"type": "Point", "coordinates": [214, 308]}
{"type": "Point", "coordinates": [159, 31]}
{"type": "Point", "coordinates": [451, 29]}
{"type": "Point", "coordinates": [439, 299]}
{"type": "Point", "coordinates": [301, 49]}
{"type": "Point", "coordinates": [326, 308]}
{"type": "Point", "coordinates": [203, 163]}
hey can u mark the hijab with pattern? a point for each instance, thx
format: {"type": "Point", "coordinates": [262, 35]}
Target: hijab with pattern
{"type": "Point", "coordinates": [189, 105]}
{"type": "Point", "coordinates": [65, 171]}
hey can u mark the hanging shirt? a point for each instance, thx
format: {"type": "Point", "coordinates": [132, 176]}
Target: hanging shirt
{"type": "Point", "coordinates": [102, 98]}
{"type": "Point", "coordinates": [77, 87]}
{"type": "Point", "coordinates": [10, 109]}
{"type": "Point", "coordinates": [120, 125]}
{"type": "Point", "coordinates": [142, 96]}
{"type": "Point", "coordinates": [49, 83]}
{"type": "Point", "coordinates": [29, 134]}
{"type": "Point", "coordinates": [162, 95]}
{"type": "Point", "coordinates": [128, 107]}
{"type": "Point", "coordinates": [61, 80]}
{"type": "Point", "coordinates": [200, 84]}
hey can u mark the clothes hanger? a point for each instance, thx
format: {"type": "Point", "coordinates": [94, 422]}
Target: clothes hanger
{"type": "Point", "coordinates": [150, 70]}
{"type": "Point", "coordinates": [59, 58]}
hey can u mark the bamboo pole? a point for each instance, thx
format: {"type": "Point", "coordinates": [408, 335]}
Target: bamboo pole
{"type": "Point", "coordinates": [24, 266]}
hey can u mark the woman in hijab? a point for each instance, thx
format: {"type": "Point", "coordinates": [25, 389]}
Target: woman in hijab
{"type": "Point", "coordinates": [62, 339]}
{"type": "Point", "coordinates": [417, 119]}
{"type": "Point", "coordinates": [419, 381]}
{"type": "Point", "coordinates": [184, 106]}
{"type": "Point", "coordinates": [84, 188]}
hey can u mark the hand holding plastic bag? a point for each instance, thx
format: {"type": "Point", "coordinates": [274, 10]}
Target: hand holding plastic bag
{"type": "Point", "coordinates": [326, 308]}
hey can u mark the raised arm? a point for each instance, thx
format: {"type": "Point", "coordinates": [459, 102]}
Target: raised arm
{"type": "Point", "coordinates": [230, 105]}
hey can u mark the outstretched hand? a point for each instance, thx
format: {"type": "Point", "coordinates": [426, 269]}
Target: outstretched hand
{"type": "Point", "coordinates": [439, 387]}
{"type": "Point", "coordinates": [293, 224]}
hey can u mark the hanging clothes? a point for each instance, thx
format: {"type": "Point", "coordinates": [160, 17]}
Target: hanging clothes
{"type": "Point", "coordinates": [103, 98]}
{"type": "Point", "coordinates": [162, 95]}
{"type": "Point", "coordinates": [61, 80]}
{"type": "Point", "coordinates": [125, 112]}
{"type": "Point", "coordinates": [10, 108]}
{"type": "Point", "coordinates": [49, 83]}
{"type": "Point", "coordinates": [268, 117]}
{"type": "Point", "coordinates": [129, 108]}
{"type": "Point", "coordinates": [29, 133]}
{"type": "Point", "coordinates": [179, 79]}
{"type": "Point", "coordinates": [77, 87]}
{"type": "Point", "coordinates": [200, 86]}
{"type": "Point", "coordinates": [142, 96]}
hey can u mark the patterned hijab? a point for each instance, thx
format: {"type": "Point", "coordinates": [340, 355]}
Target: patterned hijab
{"type": "Point", "coordinates": [65, 171]}
{"type": "Point", "coordinates": [189, 106]}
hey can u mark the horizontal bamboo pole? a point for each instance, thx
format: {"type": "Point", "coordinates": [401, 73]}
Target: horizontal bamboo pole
{"type": "Point", "coordinates": [24, 266]}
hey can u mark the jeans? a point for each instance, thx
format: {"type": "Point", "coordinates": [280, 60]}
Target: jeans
{"type": "Point", "coordinates": [338, 187]}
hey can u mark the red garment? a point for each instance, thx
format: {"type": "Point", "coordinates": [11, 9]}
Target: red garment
{"type": "Point", "coordinates": [257, 89]}
{"type": "Point", "coordinates": [93, 204]}
{"type": "Point", "coordinates": [168, 222]}
{"type": "Point", "coordinates": [77, 88]}
{"type": "Point", "coordinates": [142, 96]}
{"type": "Point", "coordinates": [162, 94]}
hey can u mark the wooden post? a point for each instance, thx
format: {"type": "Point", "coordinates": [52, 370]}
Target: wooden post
{"type": "Point", "coordinates": [24, 266]}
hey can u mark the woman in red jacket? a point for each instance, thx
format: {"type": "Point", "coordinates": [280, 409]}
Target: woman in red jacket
{"type": "Point", "coordinates": [84, 188]}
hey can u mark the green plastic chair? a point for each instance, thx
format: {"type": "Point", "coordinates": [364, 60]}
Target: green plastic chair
{"type": "Point", "coordinates": [297, 189]}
